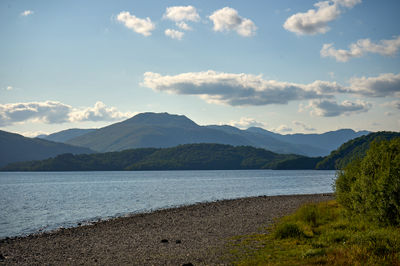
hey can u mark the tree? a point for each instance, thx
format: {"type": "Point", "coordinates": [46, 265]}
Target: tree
{"type": "Point", "coordinates": [371, 187]}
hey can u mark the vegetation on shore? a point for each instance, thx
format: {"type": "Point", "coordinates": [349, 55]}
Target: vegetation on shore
{"type": "Point", "coordinates": [182, 157]}
{"type": "Point", "coordinates": [362, 227]}
{"type": "Point", "coordinates": [353, 149]}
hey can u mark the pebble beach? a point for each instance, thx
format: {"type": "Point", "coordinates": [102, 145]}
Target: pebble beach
{"type": "Point", "coordinates": [188, 235]}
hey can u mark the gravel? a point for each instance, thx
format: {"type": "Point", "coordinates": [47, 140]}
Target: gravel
{"type": "Point", "coordinates": [191, 235]}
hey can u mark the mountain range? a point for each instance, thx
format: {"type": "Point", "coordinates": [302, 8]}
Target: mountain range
{"type": "Point", "coordinates": [163, 130]}
{"type": "Point", "coordinates": [205, 156]}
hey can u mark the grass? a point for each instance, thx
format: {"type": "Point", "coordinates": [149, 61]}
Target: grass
{"type": "Point", "coordinates": [319, 234]}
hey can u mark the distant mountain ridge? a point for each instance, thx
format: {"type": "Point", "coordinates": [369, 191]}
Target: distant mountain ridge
{"type": "Point", "coordinates": [17, 148]}
{"type": "Point", "coordinates": [162, 130]}
{"type": "Point", "coordinates": [327, 141]}
{"type": "Point", "coordinates": [66, 135]}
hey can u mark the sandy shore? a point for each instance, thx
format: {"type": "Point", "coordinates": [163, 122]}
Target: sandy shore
{"type": "Point", "coordinates": [194, 234]}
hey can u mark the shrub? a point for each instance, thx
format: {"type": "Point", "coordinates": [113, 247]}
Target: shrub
{"type": "Point", "coordinates": [371, 187]}
{"type": "Point", "coordinates": [288, 230]}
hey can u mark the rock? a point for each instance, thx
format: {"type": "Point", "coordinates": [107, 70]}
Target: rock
{"type": "Point", "coordinates": [178, 241]}
{"type": "Point", "coordinates": [164, 240]}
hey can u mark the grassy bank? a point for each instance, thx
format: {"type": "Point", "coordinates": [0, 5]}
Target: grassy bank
{"type": "Point", "coordinates": [320, 234]}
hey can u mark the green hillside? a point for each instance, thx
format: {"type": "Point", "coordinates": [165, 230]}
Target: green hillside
{"type": "Point", "coordinates": [183, 157]}
{"type": "Point", "coordinates": [17, 148]}
{"type": "Point", "coordinates": [163, 130]}
{"type": "Point", "coordinates": [353, 149]}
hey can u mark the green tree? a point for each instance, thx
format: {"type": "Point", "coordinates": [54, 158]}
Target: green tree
{"type": "Point", "coordinates": [371, 187]}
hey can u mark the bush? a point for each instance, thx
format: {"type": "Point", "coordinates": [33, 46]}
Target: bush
{"type": "Point", "coordinates": [288, 230]}
{"type": "Point", "coordinates": [371, 187]}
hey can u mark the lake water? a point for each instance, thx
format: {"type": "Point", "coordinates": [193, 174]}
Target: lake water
{"type": "Point", "coordinates": [31, 202]}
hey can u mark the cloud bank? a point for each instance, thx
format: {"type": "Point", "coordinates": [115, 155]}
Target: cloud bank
{"type": "Point", "coordinates": [393, 104]}
{"type": "Point", "coordinates": [138, 25]}
{"type": "Point", "coordinates": [384, 85]}
{"type": "Point", "coordinates": [53, 112]}
{"type": "Point", "coordinates": [49, 112]}
{"type": "Point", "coordinates": [246, 122]}
{"type": "Point", "coordinates": [360, 48]}
{"type": "Point", "coordinates": [315, 21]}
{"type": "Point", "coordinates": [100, 112]}
{"type": "Point", "coordinates": [238, 89]}
{"type": "Point", "coordinates": [303, 126]}
{"type": "Point", "coordinates": [228, 19]}
{"type": "Point", "coordinates": [330, 108]}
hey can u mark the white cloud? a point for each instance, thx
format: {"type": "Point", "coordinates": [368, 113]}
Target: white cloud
{"type": "Point", "coordinates": [347, 3]}
{"type": "Point", "coordinates": [138, 25]}
{"type": "Point", "coordinates": [27, 13]}
{"type": "Point", "coordinates": [246, 122]}
{"type": "Point", "coordinates": [227, 19]}
{"type": "Point", "coordinates": [8, 88]}
{"type": "Point", "coordinates": [52, 112]}
{"type": "Point", "coordinates": [283, 129]}
{"type": "Point", "coordinates": [393, 104]}
{"type": "Point", "coordinates": [303, 126]}
{"type": "Point", "coordinates": [315, 21]}
{"type": "Point", "coordinates": [329, 108]}
{"type": "Point", "coordinates": [388, 114]}
{"type": "Point", "coordinates": [181, 13]}
{"type": "Point", "coordinates": [238, 89]}
{"type": "Point", "coordinates": [34, 134]}
{"type": "Point", "coordinates": [360, 48]}
{"type": "Point", "coordinates": [182, 25]}
{"type": "Point", "coordinates": [100, 112]}
{"type": "Point", "coordinates": [384, 85]}
{"type": "Point", "coordinates": [174, 34]}
{"type": "Point", "coordinates": [47, 112]}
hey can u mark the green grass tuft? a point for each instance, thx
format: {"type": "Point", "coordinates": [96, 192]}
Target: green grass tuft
{"type": "Point", "coordinates": [320, 234]}
{"type": "Point", "coordinates": [288, 230]}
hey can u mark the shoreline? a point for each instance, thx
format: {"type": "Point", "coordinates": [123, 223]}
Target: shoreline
{"type": "Point", "coordinates": [193, 233]}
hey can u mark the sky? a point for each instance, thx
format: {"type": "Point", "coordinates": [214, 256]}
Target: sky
{"type": "Point", "coordinates": [287, 66]}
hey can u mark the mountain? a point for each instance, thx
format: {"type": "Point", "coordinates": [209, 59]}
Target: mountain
{"type": "Point", "coordinates": [272, 142]}
{"type": "Point", "coordinates": [325, 142]}
{"type": "Point", "coordinates": [158, 130]}
{"type": "Point", "coordinates": [66, 135]}
{"type": "Point", "coordinates": [17, 148]}
{"type": "Point", "coordinates": [161, 130]}
{"type": "Point", "coordinates": [353, 149]}
{"type": "Point", "coordinates": [183, 157]}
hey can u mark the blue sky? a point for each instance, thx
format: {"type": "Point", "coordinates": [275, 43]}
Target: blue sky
{"type": "Point", "coordinates": [286, 66]}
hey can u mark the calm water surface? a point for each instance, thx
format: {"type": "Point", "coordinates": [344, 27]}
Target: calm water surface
{"type": "Point", "coordinates": [34, 201]}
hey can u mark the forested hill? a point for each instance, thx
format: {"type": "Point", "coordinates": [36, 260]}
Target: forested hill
{"type": "Point", "coordinates": [17, 148]}
{"type": "Point", "coordinates": [353, 149]}
{"type": "Point", "coordinates": [183, 157]}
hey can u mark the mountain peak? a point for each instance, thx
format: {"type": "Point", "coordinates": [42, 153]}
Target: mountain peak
{"type": "Point", "coordinates": [164, 119]}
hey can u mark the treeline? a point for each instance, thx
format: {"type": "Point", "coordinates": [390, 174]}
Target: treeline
{"type": "Point", "coordinates": [183, 157]}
